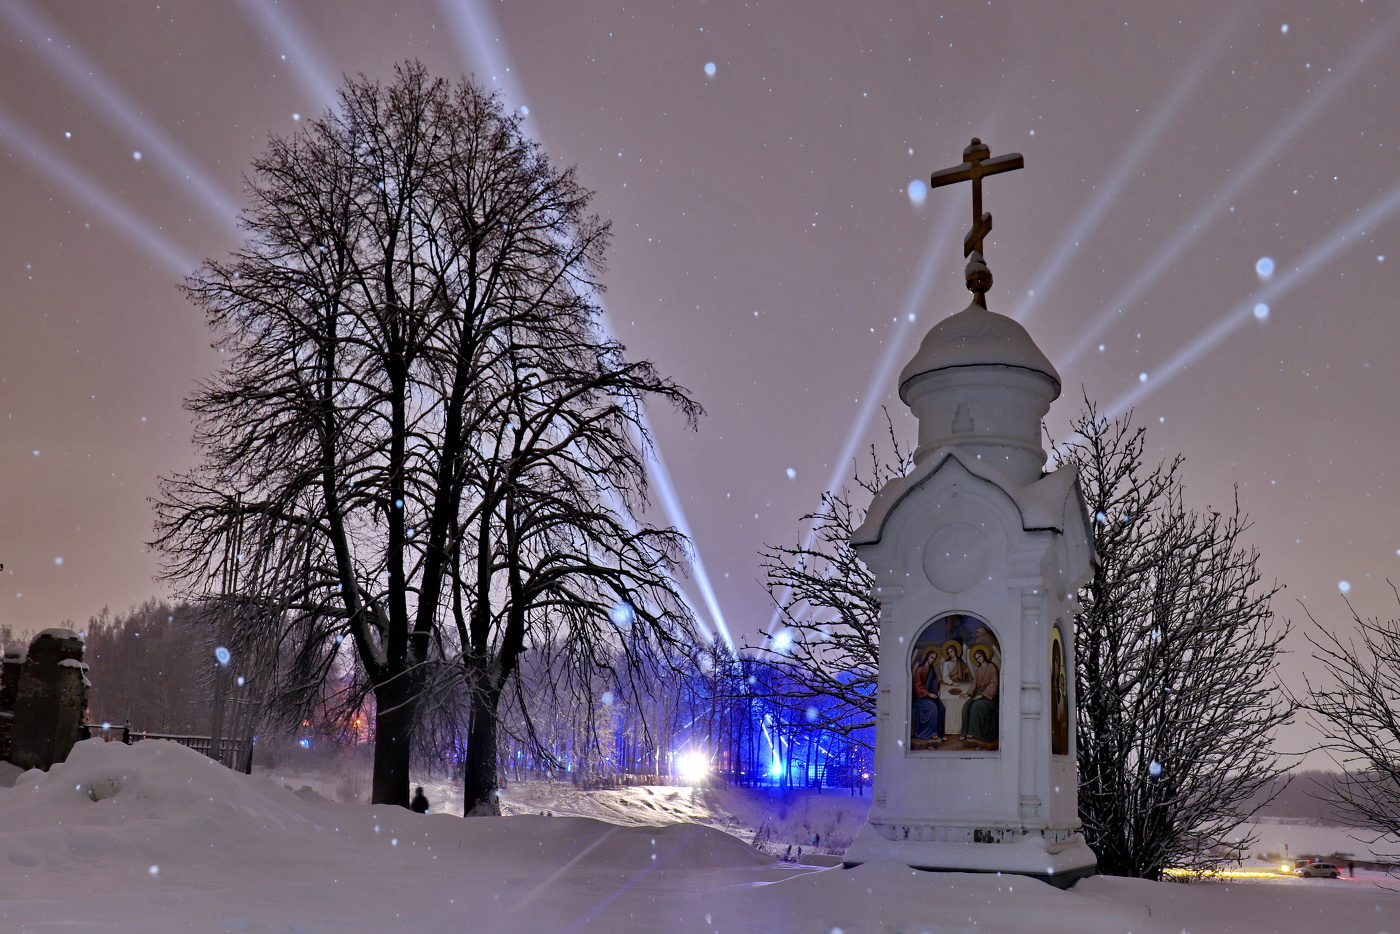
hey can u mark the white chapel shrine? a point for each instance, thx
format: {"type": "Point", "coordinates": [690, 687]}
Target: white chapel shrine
{"type": "Point", "coordinates": [977, 555]}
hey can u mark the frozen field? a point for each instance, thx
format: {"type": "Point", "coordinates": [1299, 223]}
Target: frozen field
{"type": "Point", "coordinates": [155, 838]}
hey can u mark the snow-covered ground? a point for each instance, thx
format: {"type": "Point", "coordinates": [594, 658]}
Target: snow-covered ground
{"type": "Point", "coordinates": [155, 838]}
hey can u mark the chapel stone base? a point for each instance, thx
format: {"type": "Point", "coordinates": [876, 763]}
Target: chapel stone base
{"type": "Point", "coordinates": [1060, 858]}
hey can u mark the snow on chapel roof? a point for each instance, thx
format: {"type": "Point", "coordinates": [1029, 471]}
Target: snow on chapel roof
{"type": "Point", "coordinates": [976, 337]}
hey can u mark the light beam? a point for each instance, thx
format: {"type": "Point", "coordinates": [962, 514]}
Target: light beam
{"type": "Point", "coordinates": [318, 80]}
{"type": "Point", "coordinates": [936, 252]}
{"type": "Point", "coordinates": [1164, 258]}
{"type": "Point", "coordinates": [480, 43]}
{"type": "Point", "coordinates": [88, 79]}
{"type": "Point", "coordinates": [1126, 169]}
{"type": "Point", "coordinates": [1380, 211]}
{"type": "Point", "coordinates": [84, 189]}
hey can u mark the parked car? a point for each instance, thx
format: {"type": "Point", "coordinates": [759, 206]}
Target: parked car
{"type": "Point", "coordinates": [1319, 870]}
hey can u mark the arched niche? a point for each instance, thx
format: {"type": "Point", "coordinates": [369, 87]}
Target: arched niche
{"type": "Point", "coordinates": [955, 691]}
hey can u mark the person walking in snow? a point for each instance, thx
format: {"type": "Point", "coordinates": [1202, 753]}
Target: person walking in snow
{"type": "Point", "coordinates": [419, 804]}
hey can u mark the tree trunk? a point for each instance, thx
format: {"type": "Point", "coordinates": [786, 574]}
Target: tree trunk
{"type": "Point", "coordinates": [393, 725]}
{"type": "Point", "coordinates": [480, 798]}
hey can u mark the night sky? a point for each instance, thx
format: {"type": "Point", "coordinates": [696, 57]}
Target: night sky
{"type": "Point", "coordinates": [756, 161]}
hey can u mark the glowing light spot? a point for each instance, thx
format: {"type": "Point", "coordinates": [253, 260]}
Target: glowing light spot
{"type": "Point", "coordinates": [223, 655]}
{"type": "Point", "coordinates": [240, 681]}
{"type": "Point", "coordinates": [524, 111]}
{"type": "Point", "coordinates": [709, 69]}
{"type": "Point", "coordinates": [1264, 267]}
{"type": "Point", "coordinates": [1380, 258]}
{"type": "Point", "coordinates": [776, 768]}
{"type": "Point", "coordinates": [136, 155]}
{"type": "Point", "coordinates": [306, 744]}
{"type": "Point", "coordinates": [296, 116]}
{"type": "Point", "coordinates": [1344, 586]}
{"type": "Point", "coordinates": [67, 135]}
{"type": "Point", "coordinates": [622, 614]}
{"type": "Point", "coordinates": [1261, 311]}
{"type": "Point", "coordinates": [812, 714]}
{"type": "Point", "coordinates": [607, 698]}
{"type": "Point", "coordinates": [1155, 769]}
{"type": "Point", "coordinates": [792, 474]}
{"type": "Point", "coordinates": [1142, 377]}
{"type": "Point", "coordinates": [1283, 29]}
{"type": "Point", "coordinates": [692, 766]}
{"type": "Point", "coordinates": [783, 640]}
{"type": "Point", "coordinates": [912, 316]}
{"type": "Point", "coordinates": [918, 191]}
{"type": "Point", "coordinates": [58, 560]}
{"type": "Point", "coordinates": [154, 870]}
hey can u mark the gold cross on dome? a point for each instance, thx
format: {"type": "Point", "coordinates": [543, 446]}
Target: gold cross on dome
{"type": "Point", "coordinates": [975, 166]}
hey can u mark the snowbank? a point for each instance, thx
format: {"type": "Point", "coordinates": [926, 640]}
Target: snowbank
{"type": "Point", "coordinates": [155, 838]}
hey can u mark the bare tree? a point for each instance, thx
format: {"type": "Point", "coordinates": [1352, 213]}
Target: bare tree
{"type": "Point", "coordinates": [416, 276]}
{"type": "Point", "coordinates": [1177, 697]}
{"type": "Point", "coordinates": [1358, 713]}
{"type": "Point", "coordinates": [825, 657]}
{"type": "Point", "coordinates": [549, 555]}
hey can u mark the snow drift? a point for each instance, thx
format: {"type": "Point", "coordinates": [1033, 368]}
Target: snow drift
{"type": "Point", "coordinates": [155, 838]}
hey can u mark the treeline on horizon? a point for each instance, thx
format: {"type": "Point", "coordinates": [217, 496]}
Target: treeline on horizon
{"type": "Point", "coordinates": [153, 667]}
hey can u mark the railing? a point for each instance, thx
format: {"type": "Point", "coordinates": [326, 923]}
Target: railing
{"type": "Point", "coordinates": [235, 753]}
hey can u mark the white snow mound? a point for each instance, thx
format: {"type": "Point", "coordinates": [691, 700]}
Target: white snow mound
{"type": "Point", "coordinates": [155, 839]}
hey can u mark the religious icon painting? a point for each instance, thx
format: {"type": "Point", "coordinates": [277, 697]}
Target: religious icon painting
{"type": "Point", "coordinates": [1059, 695]}
{"type": "Point", "coordinates": [956, 686]}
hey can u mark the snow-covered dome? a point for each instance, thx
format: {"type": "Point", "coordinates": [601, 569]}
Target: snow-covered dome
{"type": "Point", "coordinates": [981, 384]}
{"type": "Point", "coordinates": [976, 337]}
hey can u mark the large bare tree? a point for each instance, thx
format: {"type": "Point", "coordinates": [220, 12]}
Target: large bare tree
{"type": "Point", "coordinates": [1176, 647]}
{"type": "Point", "coordinates": [1357, 710]}
{"type": "Point", "coordinates": [415, 273]}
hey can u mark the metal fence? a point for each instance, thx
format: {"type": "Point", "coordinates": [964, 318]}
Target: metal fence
{"type": "Point", "coordinates": [235, 753]}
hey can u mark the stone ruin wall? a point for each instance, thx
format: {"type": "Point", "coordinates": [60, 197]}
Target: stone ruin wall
{"type": "Point", "coordinates": [43, 699]}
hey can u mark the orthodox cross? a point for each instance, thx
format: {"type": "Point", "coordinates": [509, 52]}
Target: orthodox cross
{"type": "Point", "coordinates": [975, 166]}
